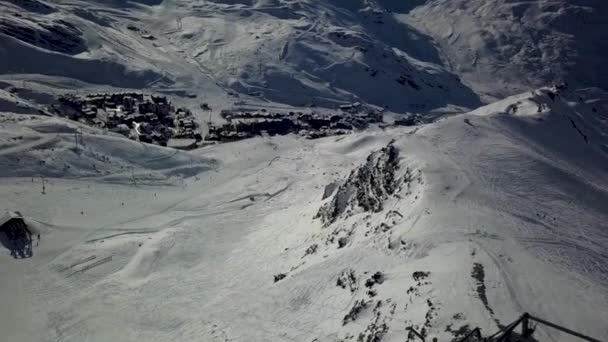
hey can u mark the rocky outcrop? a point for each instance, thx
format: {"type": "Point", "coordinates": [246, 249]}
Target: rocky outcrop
{"type": "Point", "coordinates": [367, 187]}
{"type": "Point", "coordinates": [348, 279]}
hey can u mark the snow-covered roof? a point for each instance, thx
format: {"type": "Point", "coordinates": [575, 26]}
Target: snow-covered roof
{"type": "Point", "coordinates": [7, 216]}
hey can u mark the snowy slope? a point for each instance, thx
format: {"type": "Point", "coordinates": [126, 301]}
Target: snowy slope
{"type": "Point", "coordinates": [506, 47]}
{"type": "Point", "coordinates": [467, 221]}
{"type": "Point", "coordinates": [315, 52]}
{"type": "Point", "coordinates": [409, 57]}
{"type": "Point", "coordinates": [298, 53]}
{"type": "Point", "coordinates": [470, 220]}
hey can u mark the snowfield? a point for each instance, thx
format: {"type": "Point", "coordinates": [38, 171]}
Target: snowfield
{"type": "Point", "coordinates": [498, 205]}
{"type": "Point", "coordinates": [189, 246]}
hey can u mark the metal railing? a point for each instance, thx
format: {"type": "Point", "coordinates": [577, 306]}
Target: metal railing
{"type": "Point", "coordinates": [508, 334]}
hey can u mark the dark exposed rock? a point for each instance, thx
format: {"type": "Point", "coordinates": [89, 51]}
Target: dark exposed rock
{"type": "Point", "coordinates": [375, 333]}
{"type": "Point", "coordinates": [430, 314]}
{"type": "Point", "coordinates": [377, 328]}
{"type": "Point", "coordinates": [312, 249]}
{"type": "Point", "coordinates": [347, 279]}
{"type": "Point", "coordinates": [354, 312]}
{"type": "Point", "coordinates": [367, 187]}
{"type": "Point", "coordinates": [342, 242]}
{"type": "Point", "coordinates": [376, 278]}
{"type": "Point", "coordinates": [458, 316]}
{"type": "Point", "coordinates": [329, 190]}
{"type": "Point", "coordinates": [382, 227]}
{"type": "Point", "coordinates": [420, 275]}
{"type": "Point", "coordinates": [479, 275]}
{"type": "Point", "coordinates": [280, 276]}
{"type": "Point", "coordinates": [460, 332]}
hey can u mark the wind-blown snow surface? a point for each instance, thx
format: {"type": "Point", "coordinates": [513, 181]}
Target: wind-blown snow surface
{"type": "Point", "coordinates": [482, 216]}
{"type": "Point", "coordinates": [504, 47]}
{"type": "Point", "coordinates": [410, 56]}
{"type": "Point", "coordinates": [470, 220]}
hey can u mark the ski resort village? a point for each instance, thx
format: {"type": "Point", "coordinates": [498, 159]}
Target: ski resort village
{"type": "Point", "coordinates": [153, 119]}
{"type": "Point", "coordinates": [303, 171]}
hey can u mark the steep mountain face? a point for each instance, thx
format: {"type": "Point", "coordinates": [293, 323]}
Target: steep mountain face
{"type": "Point", "coordinates": [319, 52]}
{"type": "Point", "coordinates": [366, 187]}
{"type": "Point", "coordinates": [405, 56]}
{"type": "Point", "coordinates": [505, 47]}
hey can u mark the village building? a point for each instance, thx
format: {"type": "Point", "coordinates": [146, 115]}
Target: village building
{"type": "Point", "coordinates": [122, 129]}
{"type": "Point", "coordinates": [11, 220]}
{"type": "Point", "coordinates": [244, 124]}
{"type": "Point", "coordinates": [123, 113]}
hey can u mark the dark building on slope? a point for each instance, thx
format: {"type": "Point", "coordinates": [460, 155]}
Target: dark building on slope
{"type": "Point", "coordinates": [15, 234]}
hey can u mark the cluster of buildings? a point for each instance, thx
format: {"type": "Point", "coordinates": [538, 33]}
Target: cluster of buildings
{"type": "Point", "coordinates": [409, 120]}
{"type": "Point", "coordinates": [147, 118]}
{"type": "Point", "coordinates": [153, 119]}
{"type": "Point", "coordinates": [243, 124]}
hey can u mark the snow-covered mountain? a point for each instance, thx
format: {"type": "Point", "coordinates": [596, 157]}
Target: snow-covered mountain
{"type": "Point", "coordinates": [505, 47]}
{"type": "Point", "coordinates": [495, 206]}
{"type": "Point", "coordinates": [410, 56]}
